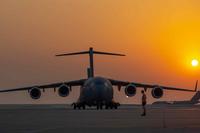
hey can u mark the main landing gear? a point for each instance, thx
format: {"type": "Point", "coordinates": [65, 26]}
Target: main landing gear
{"type": "Point", "coordinates": [99, 106]}
{"type": "Point", "coordinates": [112, 106]}
{"type": "Point", "coordinates": [108, 106]}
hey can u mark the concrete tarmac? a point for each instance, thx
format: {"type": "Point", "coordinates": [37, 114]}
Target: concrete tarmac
{"type": "Point", "coordinates": [127, 119]}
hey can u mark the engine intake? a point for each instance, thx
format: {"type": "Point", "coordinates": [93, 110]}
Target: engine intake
{"type": "Point", "coordinates": [63, 91]}
{"type": "Point", "coordinates": [130, 90]}
{"type": "Point", "coordinates": [35, 93]}
{"type": "Point", "coordinates": [157, 92]}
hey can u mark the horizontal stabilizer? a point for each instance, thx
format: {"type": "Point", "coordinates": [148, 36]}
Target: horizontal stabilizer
{"type": "Point", "coordinates": [91, 54]}
{"type": "Point", "coordinates": [77, 53]}
{"type": "Point", "coordinates": [106, 53]}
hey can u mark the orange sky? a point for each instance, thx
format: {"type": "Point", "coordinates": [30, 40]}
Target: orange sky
{"type": "Point", "coordinates": [159, 38]}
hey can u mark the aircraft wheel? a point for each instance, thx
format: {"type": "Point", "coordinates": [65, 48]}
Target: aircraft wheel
{"type": "Point", "coordinates": [74, 106]}
{"type": "Point", "coordinates": [83, 107]}
{"type": "Point", "coordinates": [98, 106]}
{"type": "Point", "coordinates": [111, 106]}
{"type": "Point", "coordinates": [106, 107]}
{"type": "Point", "coordinates": [101, 106]}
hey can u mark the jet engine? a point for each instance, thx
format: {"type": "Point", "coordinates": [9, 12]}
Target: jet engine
{"type": "Point", "coordinates": [63, 91]}
{"type": "Point", "coordinates": [130, 90]}
{"type": "Point", "coordinates": [35, 93]}
{"type": "Point", "coordinates": [157, 92]}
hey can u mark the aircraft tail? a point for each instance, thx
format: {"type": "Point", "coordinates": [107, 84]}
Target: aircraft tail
{"type": "Point", "coordinates": [196, 86]}
{"type": "Point", "coordinates": [91, 52]}
{"type": "Point", "coordinates": [196, 97]}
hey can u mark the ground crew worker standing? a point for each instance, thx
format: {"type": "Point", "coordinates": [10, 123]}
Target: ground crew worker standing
{"type": "Point", "coordinates": [144, 102]}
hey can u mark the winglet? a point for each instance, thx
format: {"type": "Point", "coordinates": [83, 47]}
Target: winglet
{"type": "Point", "coordinates": [196, 86]}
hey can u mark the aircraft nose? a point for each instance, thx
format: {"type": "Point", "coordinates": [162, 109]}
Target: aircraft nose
{"type": "Point", "coordinates": [103, 91]}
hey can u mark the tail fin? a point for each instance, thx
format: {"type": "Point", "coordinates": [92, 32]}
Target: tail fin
{"type": "Point", "coordinates": [91, 53]}
{"type": "Point", "coordinates": [196, 97]}
{"type": "Point", "coordinates": [88, 72]}
{"type": "Point", "coordinates": [196, 86]}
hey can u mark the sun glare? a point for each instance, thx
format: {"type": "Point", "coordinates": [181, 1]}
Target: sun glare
{"type": "Point", "coordinates": [195, 62]}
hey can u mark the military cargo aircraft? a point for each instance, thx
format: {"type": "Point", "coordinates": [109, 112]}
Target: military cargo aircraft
{"type": "Point", "coordinates": [95, 91]}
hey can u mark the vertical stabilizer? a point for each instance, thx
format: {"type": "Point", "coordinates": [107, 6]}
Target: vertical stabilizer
{"type": "Point", "coordinates": [89, 72]}
{"type": "Point", "coordinates": [196, 86]}
{"type": "Point", "coordinates": [196, 97]}
{"type": "Point", "coordinates": [91, 52]}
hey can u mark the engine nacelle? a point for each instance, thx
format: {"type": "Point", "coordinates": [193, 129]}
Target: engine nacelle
{"type": "Point", "coordinates": [157, 92]}
{"type": "Point", "coordinates": [63, 91]}
{"type": "Point", "coordinates": [35, 93]}
{"type": "Point", "coordinates": [130, 90]}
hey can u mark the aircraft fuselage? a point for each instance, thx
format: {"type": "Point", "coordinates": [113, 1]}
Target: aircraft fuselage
{"type": "Point", "coordinates": [96, 91]}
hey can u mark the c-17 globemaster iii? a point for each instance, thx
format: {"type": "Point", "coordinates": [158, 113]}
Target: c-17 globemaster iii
{"type": "Point", "coordinates": [95, 91]}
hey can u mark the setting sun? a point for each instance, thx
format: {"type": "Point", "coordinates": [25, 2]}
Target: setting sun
{"type": "Point", "coordinates": [195, 62]}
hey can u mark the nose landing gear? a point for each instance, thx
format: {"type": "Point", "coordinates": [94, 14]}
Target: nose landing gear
{"type": "Point", "coordinates": [78, 105]}
{"type": "Point", "coordinates": [112, 105]}
{"type": "Point", "coordinates": [99, 106]}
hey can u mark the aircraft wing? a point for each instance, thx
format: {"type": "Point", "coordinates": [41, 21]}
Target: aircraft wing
{"type": "Point", "coordinates": [146, 86]}
{"type": "Point", "coordinates": [47, 86]}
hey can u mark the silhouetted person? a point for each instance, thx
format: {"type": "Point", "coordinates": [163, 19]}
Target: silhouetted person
{"type": "Point", "coordinates": [144, 102]}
